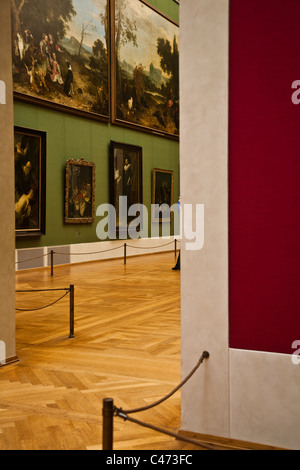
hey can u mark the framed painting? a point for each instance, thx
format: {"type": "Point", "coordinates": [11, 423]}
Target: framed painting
{"type": "Point", "coordinates": [126, 179]}
{"type": "Point", "coordinates": [80, 192]}
{"type": "Point", "coordinates": [162, 195]}
{"type": "Point", "coordinates": [30, 181]}
{"type": "Point", "coordinates": [145, 68]}
{"type": "Point", "coordinates": [60, 55]}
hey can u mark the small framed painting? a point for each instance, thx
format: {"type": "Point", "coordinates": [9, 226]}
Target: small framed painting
{"type": "Point", "coordinates": [162, 195]}
{"type": "Point", "coordinates": [80, 192]}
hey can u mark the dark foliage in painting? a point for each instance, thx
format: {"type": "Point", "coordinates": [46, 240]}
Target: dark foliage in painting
{"type": "Point", "coordinates": [147, 84]}
{"type": "Point", "coordinates": [55, 65]}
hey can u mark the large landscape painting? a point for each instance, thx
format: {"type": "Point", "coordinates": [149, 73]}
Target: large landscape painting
{"type": "Point", "coordinates": [146, 49]}
{"type": "Point", "coordinates": [60, 54]}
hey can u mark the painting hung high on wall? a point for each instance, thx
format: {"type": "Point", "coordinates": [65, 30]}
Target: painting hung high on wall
{"type": "Point", "coordinates": [145, 65]}
{"type": "Point", "coordinates": [60, 55]}
{"type": "Point", "coordinates": [162, 194]}
{"type": "Point", "coordinates": [30, 181]}
{"type": "Point", "coordinates": [80, 192]}
{"type": "Point", "coordinates": [126, 179]}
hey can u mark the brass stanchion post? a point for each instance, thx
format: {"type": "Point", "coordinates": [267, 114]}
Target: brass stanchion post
{"type": "Point", "coordinates": [107, 425]}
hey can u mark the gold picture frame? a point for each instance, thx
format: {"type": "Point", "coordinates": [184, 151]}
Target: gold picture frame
{"type": "Point", "coordinates": [80, 192]}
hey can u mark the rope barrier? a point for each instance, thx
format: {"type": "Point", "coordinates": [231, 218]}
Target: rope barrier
{"type": "Point", "coordinates": [88, 253]}
{"type": "Point", "coordinates": [69, 290]}
{"type": "Point", "coordinates": [31, 259]}
{"type": "Point", "coordinates": [150, 247]}
{"type": "Point", "coordinates": [52, 252]}
{"type": "Point", "coordinates": [197, 442]}
{"type": "Point", "coordinates": [205, 355]}
{"type": "Point", "coordinates": [68, 254]}
{"type": "Point", "coordinates": [40, 290]}
{"type": "Point", "coordinates": [109, 411]}
{"type": "Point", "coordinates": [170, 433]}
{"type": "Point", "coordinates": [97, 252]}
{"type": "Point", "coordinates": [45, 306]}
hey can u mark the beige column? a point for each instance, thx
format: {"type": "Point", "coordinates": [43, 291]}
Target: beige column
{"type": "Point", "coordinates": [204, 180]}
{"type": "Point", "coordinates": [7, 224]}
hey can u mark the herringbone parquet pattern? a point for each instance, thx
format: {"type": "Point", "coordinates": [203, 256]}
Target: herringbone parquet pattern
{"type": "Point", "coordinates": [126, 347]}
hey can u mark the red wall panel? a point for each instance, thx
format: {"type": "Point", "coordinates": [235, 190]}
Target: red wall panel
{"type": "Point", "coordinates": [264, 175]}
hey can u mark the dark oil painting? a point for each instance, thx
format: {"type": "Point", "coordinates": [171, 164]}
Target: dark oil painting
{"type": "Point", "coordinates": [60, 54]}
{"type": "Point", "coordinates": [30, 181]}
{"type": "Point", "coordinates": [80, 192]}
{"type": "Point", "coordinates": [147, 68]}
{"type": "Point", "coordinates": [126, 179]}
{"type": "Point", "coordinates": [162, 194]}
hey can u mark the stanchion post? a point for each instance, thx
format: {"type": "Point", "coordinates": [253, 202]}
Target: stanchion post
{"type": "Point", "coordinates": [175, 248]}
{"type": "Point", "coordinates": [71, 311]}
{"type": "Point", "coordinates": [125, 253]}
{"type": "Point", "coordinates": [107, 425]}
{"type": "Point", "coordinates": [52, 253]}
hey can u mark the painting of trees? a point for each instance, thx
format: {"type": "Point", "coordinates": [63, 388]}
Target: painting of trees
{"type": "Point", "coordinates": [112, 60]}
{"type": "Point", "coordinates": [60, 53]}
{"type": "Point", "coordinates": [147, 68]}
{"type": "Point", "coordinates": [125, 33]}
{"type": "Point", "coordinates": [48, 15]}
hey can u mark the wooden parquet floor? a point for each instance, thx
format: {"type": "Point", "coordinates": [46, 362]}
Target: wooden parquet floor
{"type": "Point", "coordinates": [126, 347]}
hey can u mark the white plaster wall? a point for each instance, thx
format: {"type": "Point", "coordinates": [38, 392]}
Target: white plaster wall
{"type": "Point", "coordinates": [203, 170]}
{"type": "Point", "coordinates": [264, 398]}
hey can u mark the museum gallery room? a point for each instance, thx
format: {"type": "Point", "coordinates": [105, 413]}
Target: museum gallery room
{"type": "Point", "coordinates": [150, 254]}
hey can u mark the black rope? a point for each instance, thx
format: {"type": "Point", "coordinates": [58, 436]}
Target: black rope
{"type": "Point", "coordinates": [205, 355]}
{"type": "Point", "coordinates": [204, 445]}
{"type": "Point", "coordinates": [151, 247]}
{"type": "Point", "coordinates": [87, 253]}
{"type": "Point", "coordinates": [41, 290]}
{"type": "Point", "coordinates": [30, 259]}
{"type": "Point", "coordinates": [93, 252]}
{"type": "Point", "coordinates": [41, 308]}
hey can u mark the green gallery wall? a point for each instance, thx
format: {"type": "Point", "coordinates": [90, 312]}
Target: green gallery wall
{"type": "Point", "coordinates": [71, 136]}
